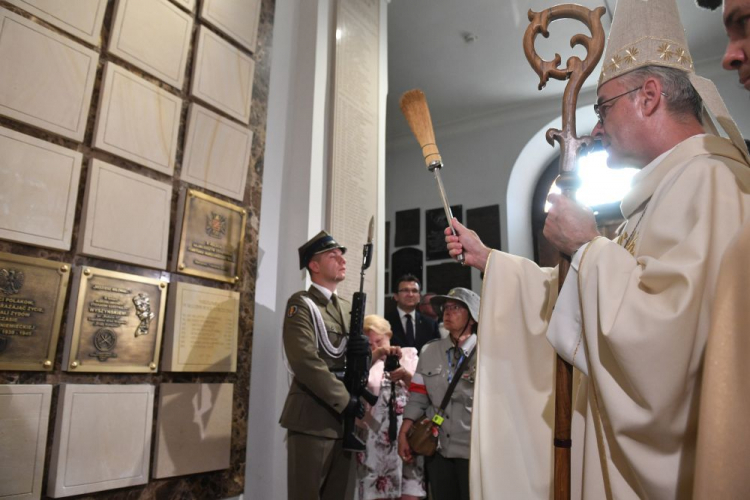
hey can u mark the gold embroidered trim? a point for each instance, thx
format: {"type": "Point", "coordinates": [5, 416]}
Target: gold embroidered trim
{"type": "Point", "coordinates": [644, 51]}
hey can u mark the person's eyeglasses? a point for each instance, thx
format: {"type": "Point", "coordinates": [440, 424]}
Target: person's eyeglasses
{"type": "Point", "coordinates": [452, 307]}
{"type": "Point", "coordinates": [408, 290]}
{"type": "Point", "coordinates": [601, 112]}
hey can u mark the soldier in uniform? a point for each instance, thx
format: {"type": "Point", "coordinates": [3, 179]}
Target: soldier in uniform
{"type": "Point", "coordinates": [315, 342]}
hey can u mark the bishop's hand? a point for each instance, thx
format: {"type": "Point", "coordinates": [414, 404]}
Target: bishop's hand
{"type": "Point", "coordinates": [467, 242]}
{"type": "Point", "coordinates": [569, 225]}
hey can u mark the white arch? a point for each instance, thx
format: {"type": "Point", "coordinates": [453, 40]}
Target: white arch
{"type": "Point", "coordinates": [527, 170]}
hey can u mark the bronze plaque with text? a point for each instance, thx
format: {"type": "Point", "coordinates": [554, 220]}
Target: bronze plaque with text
{"type": "Point", "coordinates": [118, 322]}
{"type": "Point", "coordinates": [32, 298]}
{"type": "Point", "coordinates": [211, 234]}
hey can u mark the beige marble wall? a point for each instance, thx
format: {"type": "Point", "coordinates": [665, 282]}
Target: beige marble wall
{"type": "Point", "coordinates": [217, 484]}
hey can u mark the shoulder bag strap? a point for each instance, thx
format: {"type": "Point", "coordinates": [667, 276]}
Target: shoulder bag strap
{"type": "Point", "coordinates": [456, 378]}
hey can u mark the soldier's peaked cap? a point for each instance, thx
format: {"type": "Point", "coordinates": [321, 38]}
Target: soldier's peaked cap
{"type": "Point", "coordinates": [321, 242]}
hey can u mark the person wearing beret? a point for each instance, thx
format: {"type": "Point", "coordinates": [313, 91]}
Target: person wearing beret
{"type": "Point", "coordinates": [315, 340]}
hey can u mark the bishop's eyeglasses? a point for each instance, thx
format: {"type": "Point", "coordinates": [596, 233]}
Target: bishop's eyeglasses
{"type": "Point", "coordinates": [602, 112]}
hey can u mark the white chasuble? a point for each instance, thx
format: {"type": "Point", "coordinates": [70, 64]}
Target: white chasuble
{"type": "Point", "coordinates": [646, 317]}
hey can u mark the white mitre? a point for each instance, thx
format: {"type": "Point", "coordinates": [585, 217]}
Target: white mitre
{"type": "Point", "coordinates": [650, 33]}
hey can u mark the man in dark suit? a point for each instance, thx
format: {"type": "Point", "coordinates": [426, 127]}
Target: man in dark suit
{"type": "Point", "coordinates": [410, 328]}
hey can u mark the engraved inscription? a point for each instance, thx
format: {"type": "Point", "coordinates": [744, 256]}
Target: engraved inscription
{"type": "Point", "coordinates": [31, 292]}
{"type": "Point", "coordinates": [208, 324]}
{"type": "Point", "coordinates": [211, 238]}
{"type": "Point", "coordinates": [17, 316]}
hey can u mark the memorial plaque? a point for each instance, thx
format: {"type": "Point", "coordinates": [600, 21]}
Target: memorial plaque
{"type": "Point", "coordinates": [209, 237]}
{"type": "Point", "coordinates": [117, 322]}
{"type": "Point", "coordinates": [407, 228]}
{"type": "Point", "coordinates": [406, 261]}
{"type": "Point", "coordinates": [201, 332]}
{"type": "Point", "coordinates": [32, 297]}
{"type": "Point", "coordinates": [442, 277]}
{"type": "Point", "coordinates": [194, 429]}
{"type": "Point", "coordinates": [486, 222]}
{"type": "Point", "coordinates": [435, 224]}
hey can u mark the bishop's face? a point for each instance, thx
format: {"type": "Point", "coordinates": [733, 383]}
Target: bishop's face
{"type": "Point", "coordinates": [737, 24]}
{"type": "Point", "coordinates": [618, 125]}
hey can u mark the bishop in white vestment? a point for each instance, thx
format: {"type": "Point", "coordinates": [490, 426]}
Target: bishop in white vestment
{"type": "Point", "coordinates": [634, 314]}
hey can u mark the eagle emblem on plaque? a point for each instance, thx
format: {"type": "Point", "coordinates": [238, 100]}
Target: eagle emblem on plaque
{"type": "Point", "coordinates": [216, 225]}
{"type": "Point", "coordinates": [11, 281]}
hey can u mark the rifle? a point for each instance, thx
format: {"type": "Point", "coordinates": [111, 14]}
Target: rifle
{"type": "Point", "coordinates": [358, 367]}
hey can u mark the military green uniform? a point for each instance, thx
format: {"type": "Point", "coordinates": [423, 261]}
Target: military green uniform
{"type": "Point", "coordinates": [317, 466]}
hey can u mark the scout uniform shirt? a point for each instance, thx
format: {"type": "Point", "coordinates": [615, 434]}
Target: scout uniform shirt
{"type": "Point", "coordinates": [437, 364]}
{"type": "Point", "coordinates": [316, 397]}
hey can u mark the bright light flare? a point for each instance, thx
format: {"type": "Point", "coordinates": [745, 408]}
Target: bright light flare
{"type": "Point", "coordinates": [599, 185]}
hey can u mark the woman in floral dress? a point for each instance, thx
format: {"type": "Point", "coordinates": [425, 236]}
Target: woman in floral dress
{"type": "Point", "coordinates": [380, 471]}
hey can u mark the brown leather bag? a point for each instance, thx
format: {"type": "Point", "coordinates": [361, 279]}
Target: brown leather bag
{"type": "Point", "coordinates": [422, 436]}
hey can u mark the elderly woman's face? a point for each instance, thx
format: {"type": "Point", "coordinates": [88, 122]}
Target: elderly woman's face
{"type": "Point", "coordinates": [455, 316]}
{"type": "Point", "coordinates": [378, 339]}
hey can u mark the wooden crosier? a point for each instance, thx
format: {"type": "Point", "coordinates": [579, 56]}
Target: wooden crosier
{"type": "Point", "coordinates": [576, 72]}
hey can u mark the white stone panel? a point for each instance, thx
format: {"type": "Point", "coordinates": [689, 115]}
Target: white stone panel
{"type": "Point", "coordinates": [81, 18]}
{"type": "Point", "coordinates": [153, 35]}
{"type": "Point", "coordinates": [194, 429]}
{"type": "Point", "coordinates": [137, 120]}
{"type": "Point", "coordinates": [237, 18]}
{"type": "Point", "coordinates": [24, 419]}
{"type": "Point", "coordinates": [217, 153]}
{"type": "Point", "coordinates": [102, 438]}
{"type": "Point", "coordinates": [46, 80]}
{"type": "Point", "coordinates": [125, 216]}
{"type": "Point", "coordinates": [223, 75]}
{"type": "Point", "coordinates": [38, 190]}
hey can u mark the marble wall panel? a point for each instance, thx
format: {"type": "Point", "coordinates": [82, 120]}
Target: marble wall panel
{"type": "Point", "coordinates": [217, 153]}
{"type": "Point", "coordinates": [223, 75]}
{"type": "Point", "coordinates": [153, 35]}
{"type": "Point", "coordinates": [46, 80]}
{"type": "Point", "coordinates": [193, 429]}
{"type": "Point", "coordinates": [137, 120]}
{"type": "Point", "coordinates": [24, 419]}
{"type": "Point", "coordinates": [82, 18]}
{"type": "Point", "coordinates": [237, 18]}
{"type": "Point", "coordinates": [102, 438]}
{"type": "Point", "coordinates": [38, 190]}
{"type": "Point", "coordinates": [125, 216]}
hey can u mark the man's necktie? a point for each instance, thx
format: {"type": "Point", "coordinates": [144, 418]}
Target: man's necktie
{"type": "Point", "coordinates": [409, 331]}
